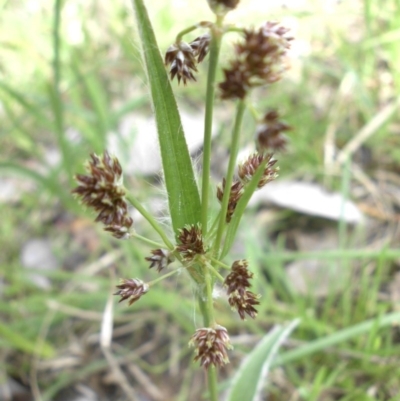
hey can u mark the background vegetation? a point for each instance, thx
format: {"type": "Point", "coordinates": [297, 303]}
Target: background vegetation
{"type": "Point", "coordinates": [71, 83]}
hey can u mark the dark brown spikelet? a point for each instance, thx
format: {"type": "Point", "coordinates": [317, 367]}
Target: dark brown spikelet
{"type": "Point", "coordinates": [247, 169]}
{"type": "Point", "coordinates": [259, 61]}
{"type": "Point", "coordinates": [160, 258]}
{"type": "Point", "coordinates": [191, 242]}
{"type": "Point", "coordinates": [181, 59]}
{"type": "Point", "coordinates": [237, 283]}
{"type": "Point", "coordinates": [201, 46]}
{"type": "Point", "coordinates": [234, 196]}
{"type": "Point", "coordinates": [103, 191]}
{"type": "Point", "coordinates": [131, 289]}
{"type": "Point", "coordinates": [270, 133]}
{"type": "Point", "coordinates": [211, 346]}
{"type": "Point", "coordinates": [223, 6]}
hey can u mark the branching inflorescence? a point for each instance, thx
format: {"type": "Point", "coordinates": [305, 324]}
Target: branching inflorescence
{"type": "Point", "coordinates": [259, 60]}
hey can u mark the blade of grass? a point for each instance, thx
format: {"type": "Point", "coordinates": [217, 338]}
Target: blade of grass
{"type": "Point", "coordinates": [183, 194]}
{"type": "Point", "coordinates": [337, 338]}
{"type": "Point", "coordinates": [18, 341]}
{"type": "Point", "coordinates": [249, 380]}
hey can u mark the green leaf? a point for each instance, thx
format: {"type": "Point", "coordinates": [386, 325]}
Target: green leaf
{"type": "Point", "coordinates": [338, 337]}
{"type": "Point", "coordinates": [17, 341]}
{"type": "Point", "coordinates": [249, 380]}
{"type": "Point", "coordinates": [241, 207]}
{"type": "Point", "coordinates": [183, 194]}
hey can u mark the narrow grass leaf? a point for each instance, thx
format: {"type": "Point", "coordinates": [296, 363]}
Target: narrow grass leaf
{"type": "Point", "coordinates": [30, 108]}
{"type": "Point", "coordinates": [249, 380]}
{"type": "Point", "coordinates": [337, 338]}
{"type": "Point", "coordinates": [183, 195]}
{"type": "Point", "coordinates": [17, 341]}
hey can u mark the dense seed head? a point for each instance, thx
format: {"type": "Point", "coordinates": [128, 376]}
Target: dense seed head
{"type": "Point", "coordinates": [270, 133]}
{"type": "Point", "coordinates": [211, 346]}
{"type": "Point", "coordinates": [239, 297]}
{"type": "Point", "coordinates": [160, 258]}
{"type": "Point", "coordinates": [102, 190]}
{"type": "Point", "coordinates": [258, 61]}
{"type": "Point", "coordinates": [190, 242]}
{"type": "Point", "coordinates": [248, 168]}
{"type": "Point", "coordinates": [234, 196]}
{"type": "Point", "coordinates": [181, 59]}
{"type": "Point", "coordinates": [222, 6]}
{"type": "Point", "coordinates": [131, 289]}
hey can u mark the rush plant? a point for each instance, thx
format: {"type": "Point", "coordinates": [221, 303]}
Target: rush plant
{"type": "Point", "coordinates": [201, 240]}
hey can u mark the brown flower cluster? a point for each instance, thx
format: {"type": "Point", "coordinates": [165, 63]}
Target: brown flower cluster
{"type": "Point", "coordinates": [237, 283]}
{"type": "Point", "coordinates": [102, 190]}
{"type": "Point", "coordinates": [258, 61]}
{"type": "Point", "coordinates": [191, 242]}
{"type": "Point", "coordinates": [269, 134]}
{"type": "Point", "coordinates": [131, 289]}
{"type": "Point", "coordinates": [234, 196]}
{"type": "Point", "coordinates": [222, 6]}
{"type": "Point", "coordinates": [160, 258]}
{"type": "Point", "coordinates": [183, 57]}
{"type": "Point", "coordinates": [211, 346]}
{"type": "Point", "coordinates": [247, 169]}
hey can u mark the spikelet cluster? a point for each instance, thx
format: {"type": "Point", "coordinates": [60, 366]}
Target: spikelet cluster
{"type": "Point", "coordinates": [237, 284]}
{"type": "Point", "coordinates": [102, 190]}
{"type": "Point", "coordinates": [211, 345]}
{"type": "Point", "coordinates": [270, 133]}
{"type": "Point", "coordinates": [182, 58]}
{"type": "Point", "coordinates": [258, 61]}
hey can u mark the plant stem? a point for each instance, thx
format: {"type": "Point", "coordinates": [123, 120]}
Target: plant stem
{"type": "Point", "coordinates": [203, 24]}
{"type": "Point", "coordinates": [148, 241]}
{"type": "Point", "coordinates": [150, 283]}
{"type": "Point", "coordinates": [215, 45]}
{"type": "Point", "coordinates": [229, 176]}
{"type": "Point", "coordinates": [212, 383]}
{"type": "Point", "coordinates": [209, 321]}
{"type": "Point", "coordinates": [138, 206]}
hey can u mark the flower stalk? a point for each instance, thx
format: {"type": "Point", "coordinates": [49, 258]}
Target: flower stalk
{"type": "Point", "coordinates": [197, 248]}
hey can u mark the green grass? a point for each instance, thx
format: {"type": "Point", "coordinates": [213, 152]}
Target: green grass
{"type": "Point", "coordinates": [51, 82]}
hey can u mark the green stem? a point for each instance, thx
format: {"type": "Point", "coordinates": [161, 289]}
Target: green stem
{"type": "Point", "coordinates": [138, 206]}
{"type": "Point", "coordinates": [219, 263]}
{"type": "Point", "coordinates": [148, 241]}
{"type": "Point", "coordinates": [212, 383]}
{"type": "Point", "coordinates": [203, 24]}
{"type": "Point", "coordinates": [150, 283]}
{"type": "Point", "coordinates": [215, 47]}
{"type": "Point", "coordinates": [229, 176]}
{"type": "Point", "coordinates": [216, 274]}
{"type": "Point", "coordinates": [209, 321]}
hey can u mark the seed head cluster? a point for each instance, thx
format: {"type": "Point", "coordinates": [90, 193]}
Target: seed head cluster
{"type": "Point", "coordinates": [191, 242]}
{"type": "Point", "coordinates": [237, 284]}
{"type": "Point", "coordinates": [160, 258]}
{"type": "Point", "coordinates": [102, 190]}
{"type": "Point", "coordinates": [247, 169]}
{"type": "Point", "coordinates": [258, 61]}
{"type": "Point", "coordinates": [270, 133]}
{"type": "Point", "coordinates": [183, 57]}
{"type": "Point", "coordinates": [131, 289]}
{"type": "Point", "coordinates": [211, 345]}
{"type": "Point", "coordinates": [234, 196]}
{"type": "Point", "coordinates": [222, 6]}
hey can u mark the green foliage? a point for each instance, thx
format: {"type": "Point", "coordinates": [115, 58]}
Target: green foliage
{"type": "Point", "coordinates": [347, 343]}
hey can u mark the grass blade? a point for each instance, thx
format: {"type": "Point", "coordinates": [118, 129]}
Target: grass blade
{"type": "Point", "coordinates": [248, 382]}
{"type": "Point", "coordinates": [183, 194]}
